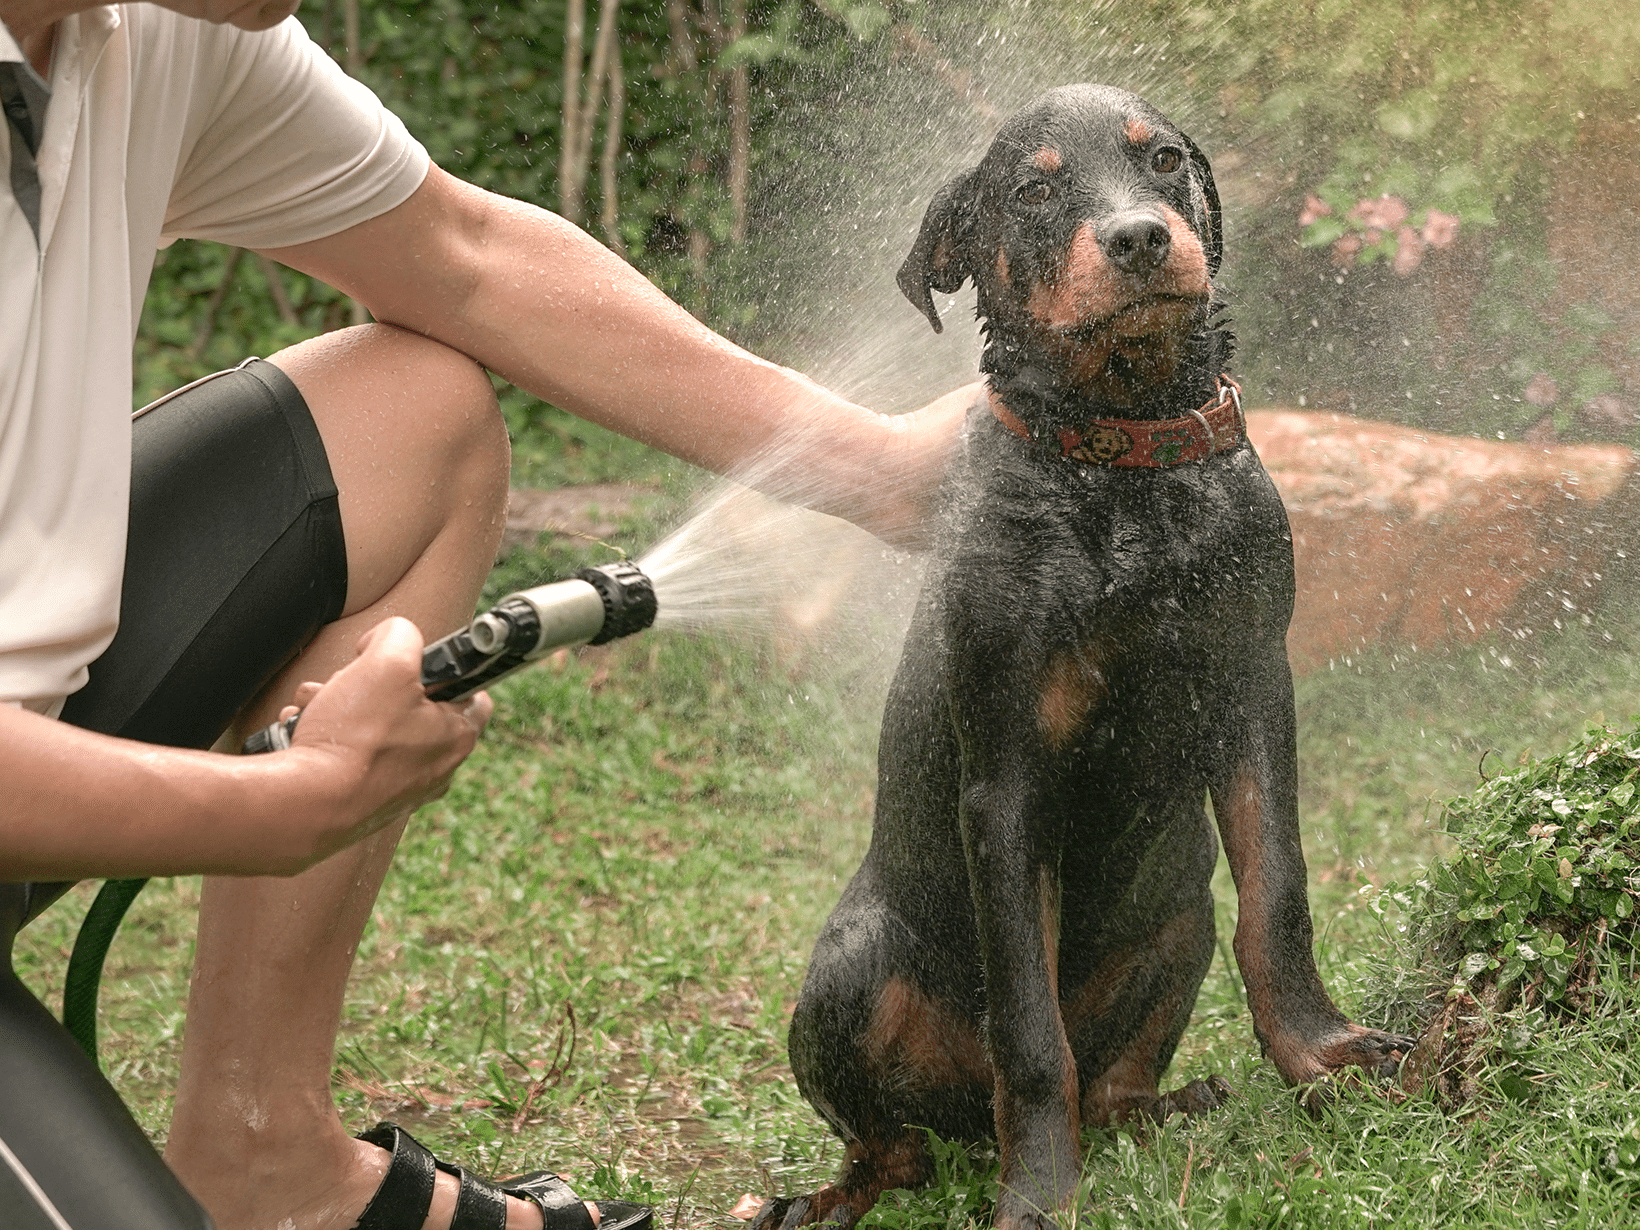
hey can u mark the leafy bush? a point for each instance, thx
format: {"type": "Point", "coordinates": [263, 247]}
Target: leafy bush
{"type": "Point", "coordinates": [1532, 919]}
{"type": "Point", "coordinates": [1401, 260]}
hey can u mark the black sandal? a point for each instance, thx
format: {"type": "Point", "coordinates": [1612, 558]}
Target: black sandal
{"type": "Point", "coordinates": [406, 1193]}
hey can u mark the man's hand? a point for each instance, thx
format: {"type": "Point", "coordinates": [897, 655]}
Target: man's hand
{"type": "Point", "coordinates": [369, 748]}
{"type": "Point", "coordinates": [373, 724]}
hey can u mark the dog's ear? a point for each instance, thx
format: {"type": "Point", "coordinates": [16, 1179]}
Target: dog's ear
{"type": "Point", "coordinates": [1213, 241]}
{"type": "Point", "coordinates": [943, 256]}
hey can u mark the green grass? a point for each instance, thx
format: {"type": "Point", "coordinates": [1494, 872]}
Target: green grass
{"type": "Point", "coordinates": [586, 954]}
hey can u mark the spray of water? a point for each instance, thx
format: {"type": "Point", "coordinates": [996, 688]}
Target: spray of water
{"type": "Point", "coordinates": [836, 598]}
{"type": "Point", "coordinates": [751, 559]}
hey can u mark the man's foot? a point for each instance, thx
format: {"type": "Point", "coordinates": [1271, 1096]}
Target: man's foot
{"type": "Point", "coordinates": [270, 1196]}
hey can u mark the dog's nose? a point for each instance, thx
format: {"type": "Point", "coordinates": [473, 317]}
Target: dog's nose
{"type": "Point", "coordinates": [1136, 243]}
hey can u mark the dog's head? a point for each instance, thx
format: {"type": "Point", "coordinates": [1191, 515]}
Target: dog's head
{"type": "Point", "coordinates": [1091, 229]}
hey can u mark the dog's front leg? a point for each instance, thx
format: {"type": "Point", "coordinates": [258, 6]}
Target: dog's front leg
{"type": "Point", "coordinates": [1255, 799]}
{"type": "Point", "coordinates": [1014, 875]}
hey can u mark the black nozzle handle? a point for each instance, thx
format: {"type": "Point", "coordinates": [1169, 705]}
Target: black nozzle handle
{"type": "Point", "coordinates": [597, 606]}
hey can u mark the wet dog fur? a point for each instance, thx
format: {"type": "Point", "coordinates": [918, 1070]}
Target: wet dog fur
{"type": "Point", "coordinates": [1097, 650]}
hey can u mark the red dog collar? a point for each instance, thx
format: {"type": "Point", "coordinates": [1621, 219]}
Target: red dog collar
{"type": "Point", "coordinates": [1217, 427]}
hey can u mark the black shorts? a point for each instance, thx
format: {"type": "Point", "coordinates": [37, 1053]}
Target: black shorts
{"type": "Point", "coordinates": [235, 560]}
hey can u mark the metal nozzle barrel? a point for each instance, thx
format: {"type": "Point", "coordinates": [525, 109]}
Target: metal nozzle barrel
{"type": "Point", "coordinates": [594, 607]}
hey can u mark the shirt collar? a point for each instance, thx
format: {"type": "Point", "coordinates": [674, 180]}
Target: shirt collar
{"type": "Point", "coordinates": [10, 52]}
{"type": "Point", "coordinates": [95, 23]}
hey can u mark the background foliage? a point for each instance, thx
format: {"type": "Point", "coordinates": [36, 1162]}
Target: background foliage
{"type": "Point", "coordinates": [1518, 120]}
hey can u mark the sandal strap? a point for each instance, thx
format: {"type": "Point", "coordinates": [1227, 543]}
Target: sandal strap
{"type": "Point", "coordinates": [406, 1191]}
{"type": "Point", "coordinates": [561, 1208]}
{"type": "Point", "coordinates": [480, 1204]}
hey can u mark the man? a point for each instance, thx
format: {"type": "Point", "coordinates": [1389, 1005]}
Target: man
{"type": "Point", "coordinates": [217, 119]}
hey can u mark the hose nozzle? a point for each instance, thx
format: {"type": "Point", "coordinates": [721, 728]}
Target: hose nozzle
{"type": "Point", "coordinates": [594, 607]}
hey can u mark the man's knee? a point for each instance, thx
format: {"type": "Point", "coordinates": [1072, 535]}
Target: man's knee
{"type": "Point", "coordinates": [417, 448]}
{"type": "Point", "coordinates": [404, 405]}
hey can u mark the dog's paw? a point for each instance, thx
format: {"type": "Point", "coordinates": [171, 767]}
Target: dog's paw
{"type": "Point", "coordinates": [1373, 1051]}
{"type": "Point", "coordinates": [783, 1213]}
{"type": "Point", "coordinates": [1196, 1098]}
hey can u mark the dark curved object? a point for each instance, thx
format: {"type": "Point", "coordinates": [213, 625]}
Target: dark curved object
{"type": "Point", "coordinates": [629, 599]}
{"type": "Point", "coordinates": [85, 963]}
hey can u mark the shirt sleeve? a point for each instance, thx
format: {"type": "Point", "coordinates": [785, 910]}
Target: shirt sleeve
{"type": "Point", "coordinates": [284, 147]}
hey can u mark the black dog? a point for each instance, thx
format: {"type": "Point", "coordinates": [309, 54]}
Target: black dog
{"type": "Point", "coordinates": [1100, 645]}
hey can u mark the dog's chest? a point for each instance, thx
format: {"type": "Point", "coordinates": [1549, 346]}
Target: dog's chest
{"type": "Point", "coordinates": [1079, 543]}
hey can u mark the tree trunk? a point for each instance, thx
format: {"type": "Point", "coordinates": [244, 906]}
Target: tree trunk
{"type": "Point", "coordinates": [603, 50]}
{"type": "Point", "coordinates": [569, 127]}
{"type": "Point", "coordinates": [683, 43]}
{"type": "Point", "coordinates": [276, 288]}
{"type": "Point", "coordinates": [355, 61]}
{"type": "Point", "coordinates": [614, 135]}
{"type": "Point", "coordinates": [740, 128]}
{"type": "Point", "coordinates": [213, 305]}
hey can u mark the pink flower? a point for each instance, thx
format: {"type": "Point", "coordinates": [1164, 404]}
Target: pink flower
{"type": "Point", "coordinates": [1440, 229]}
{"type": "Point", "coordinates": [1409, 251]}
{"type": "Point", "coordinates": [1314, 207]}
{"type": "Point", "coordinates": [1344, 249]}
{"type": "Point", "coordinates": [1384, 214]}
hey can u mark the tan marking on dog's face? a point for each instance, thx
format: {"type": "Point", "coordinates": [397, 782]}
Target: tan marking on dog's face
{"type": "Point", "coordinates": [1138, 133]}
{"type": "Point", "coordinates": [1002, 267]}
{"type": "Point", "coordinates": [1072, 686]}
{"type": "Point", "coordinates": [1088, 289]}
{"type": "Point", "coordinates": [1047, 160]}
{"type": "Point", "coordinates": [1090, 310]}
{"type": "Point", "coordinates": [916, 1039]}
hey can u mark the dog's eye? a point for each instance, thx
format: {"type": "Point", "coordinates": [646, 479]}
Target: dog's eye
{"type": "Point", "coordinates": [1167, 160]}
{"type": "Point", "coordinates": [1035, 192]}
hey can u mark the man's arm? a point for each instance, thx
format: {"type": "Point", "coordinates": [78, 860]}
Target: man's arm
{"type": "Point", "coordinates": [370, 745]}
{"type": "Point", "coordinates": [542, 304]}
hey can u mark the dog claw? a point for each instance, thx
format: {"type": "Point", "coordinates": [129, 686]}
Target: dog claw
{"type": "Point", "coordinates": [782, 1213]}
{"type": "Point", "coordinates": [1198, 1097]}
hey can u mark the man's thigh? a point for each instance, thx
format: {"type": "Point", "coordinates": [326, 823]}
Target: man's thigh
{"type": "Point", "coordinates": [234, 561]}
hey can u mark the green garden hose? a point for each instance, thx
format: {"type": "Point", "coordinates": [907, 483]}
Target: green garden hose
{"type": "Point", "coordinates": [85, 966]}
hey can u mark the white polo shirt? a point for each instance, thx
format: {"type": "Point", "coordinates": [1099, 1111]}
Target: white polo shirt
{"type": "Point", "coordinates": [158, 127]}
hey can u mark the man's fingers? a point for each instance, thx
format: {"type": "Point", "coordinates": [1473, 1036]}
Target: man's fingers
{"type": "Point", "coordinates": [394, 637]}
{"type": "Point", "coordinates": [476, 710]}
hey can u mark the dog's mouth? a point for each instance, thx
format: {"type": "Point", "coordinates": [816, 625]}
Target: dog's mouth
{"type": "Point", "coordinates": [1137, 320]}
{"type": "Point", "coordinates": [1118, 356]}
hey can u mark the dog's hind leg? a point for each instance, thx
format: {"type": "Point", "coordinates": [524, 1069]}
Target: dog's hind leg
{"type": "Point", "coordinates": [881, 1058]}
{"type": "Point", "coordinates": [870, 1168]}
{"type": "Point", "coordinates": [1145, 1008]}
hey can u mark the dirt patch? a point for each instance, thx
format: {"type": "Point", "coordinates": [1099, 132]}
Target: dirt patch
{"type": "Point", "coordinates": [592, 511]}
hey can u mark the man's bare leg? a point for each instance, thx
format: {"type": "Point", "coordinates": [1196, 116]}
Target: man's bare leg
{"type": "Point", "coordinates": [420, 458]}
